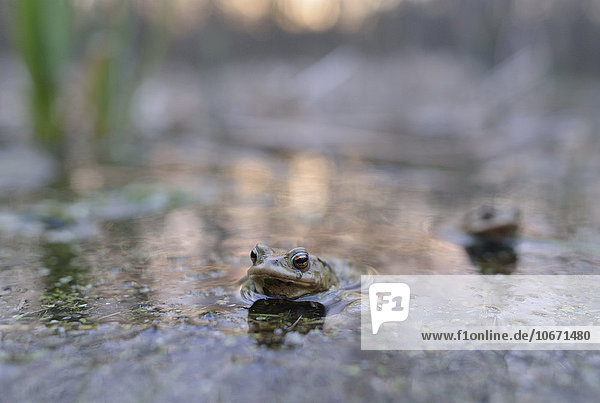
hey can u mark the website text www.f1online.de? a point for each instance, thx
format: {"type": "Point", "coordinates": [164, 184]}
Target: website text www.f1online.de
{"type": "Point", "coordinates": [527, 336]}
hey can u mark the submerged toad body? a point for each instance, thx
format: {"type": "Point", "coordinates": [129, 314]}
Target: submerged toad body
{"type": "Point", "coordinates": [290, 274]}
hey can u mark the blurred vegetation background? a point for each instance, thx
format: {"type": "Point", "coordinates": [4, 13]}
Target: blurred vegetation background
{"type": "Point", "coordinates": [87, 59]}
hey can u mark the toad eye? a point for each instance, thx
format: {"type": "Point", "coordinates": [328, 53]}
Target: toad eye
{"type": "Point", "coordinates": [300, 260]}
{"type": "Point", "coordinates": [253, 256]}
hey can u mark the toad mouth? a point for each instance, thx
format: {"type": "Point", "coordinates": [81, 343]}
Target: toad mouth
{"type": "Point", "coordinates": [270, 279]}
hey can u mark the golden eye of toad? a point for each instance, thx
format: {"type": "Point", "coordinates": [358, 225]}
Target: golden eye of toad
{"type": "Point", "coordinates": [300, 261]}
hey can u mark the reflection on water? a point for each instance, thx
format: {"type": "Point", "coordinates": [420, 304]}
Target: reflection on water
{"type": "Point", "coordinates": [493, 257]}
{"type": "Point", "coordinates": [177, 263]}
{"type": "Point", "coordinates": [174, 263]}
{"type": "Point", "coordinates": [309, 186]}
{"type": "Point", "coordinates": [252, 177]}
{"type": "Point", "coordinates": [269, 320]}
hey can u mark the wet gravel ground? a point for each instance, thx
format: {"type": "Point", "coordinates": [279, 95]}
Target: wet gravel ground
{"type": "Point", "coordinates": [114, 363]}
